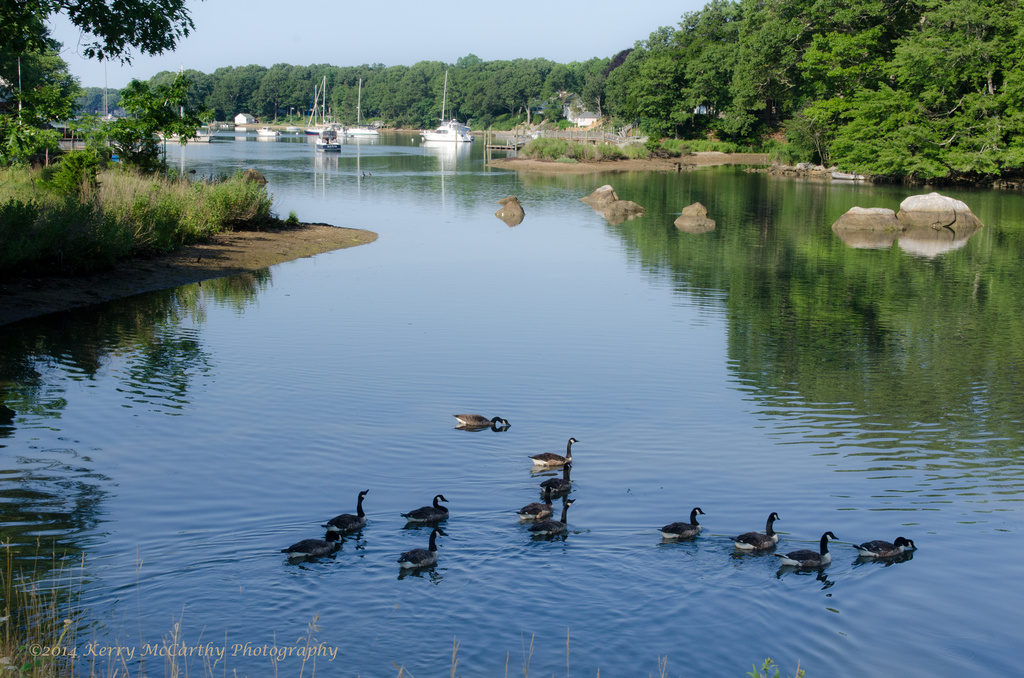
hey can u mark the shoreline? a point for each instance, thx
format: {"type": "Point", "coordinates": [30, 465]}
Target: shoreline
{"type": "Point", "coordinates": [683, 163]}
{"type": "Point", "coordinates": [224, 254]}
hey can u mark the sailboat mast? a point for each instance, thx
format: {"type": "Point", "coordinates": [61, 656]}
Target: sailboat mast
{"type": "Point", "coordinates": [444, 95]}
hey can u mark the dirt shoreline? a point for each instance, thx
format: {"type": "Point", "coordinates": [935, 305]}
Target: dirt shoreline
{"type": "Point", "coordinates": [681, 164]}
{"type": "Point", "coordinates": [224, 254]}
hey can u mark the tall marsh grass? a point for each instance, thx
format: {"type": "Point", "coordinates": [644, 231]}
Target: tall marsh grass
{"type": "Point", "coordinates": [562, 150]}
{"type": "Point", "coordinates": [44, 230]}
{"type": "Point", "coordinates": [38, 617]}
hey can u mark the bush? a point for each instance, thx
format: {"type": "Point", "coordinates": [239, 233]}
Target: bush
{"type": "Point", "coordinates": [76, 173]}
{"type": "Point", "coordinates": [634, 150]}
{"type": "Point", "coordinates": [783, 153]}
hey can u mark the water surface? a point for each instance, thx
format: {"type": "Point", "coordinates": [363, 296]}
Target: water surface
{"type": "Point", "coordinates": [178, 440]}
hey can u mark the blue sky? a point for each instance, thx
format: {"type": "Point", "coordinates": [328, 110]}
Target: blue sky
{"type": "Point", "coordinates": [397, 32]}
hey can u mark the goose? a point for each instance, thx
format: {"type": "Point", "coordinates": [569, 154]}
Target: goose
{"type": "Point", "coordinates": [428, 514]}
{"type": "Point", "coordinates": [537, 511]}
{"type": "Point", "coordinates": [552, 459]}
{"type": "Point", "coordinates": [559, 486]}
{"type": "Point", "coordinates": [883, 549]}
{"type": "Point", "coordinates": [759, 541]}
{"type": "Point", "coordinates": [808, 558]}
{"type": "Point", "coordinates": [347, 523]}
{"type": "Point", "coordinates": [548, 528]}
{"type": "Point", "coordinates": [684, 530]}
{"type": "Point", "coordinates": [313, 548]}
{"type": "Point", "coordinates": [479, 421]}
{"type": "Point", "coordinates": [421, 557]}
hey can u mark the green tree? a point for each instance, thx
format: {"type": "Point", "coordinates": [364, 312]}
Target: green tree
{"type": "Point", "coordinates": [47, 95]}
{"type": "Point", "coordinates": [112, 29]}
{"type": "Point", "coordinates": [160, 109]}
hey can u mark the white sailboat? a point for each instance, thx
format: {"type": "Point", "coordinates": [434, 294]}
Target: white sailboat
{"type": "Point", "coordinates": [317, 121]}
{"type": "Point", "coordinates": [449, 130]}
{"type": "Point", "coordinates": [361, 130]}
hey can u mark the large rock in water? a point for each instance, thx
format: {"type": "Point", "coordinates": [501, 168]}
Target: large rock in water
{"type": "Point", "coordinates": [607, 202]}
{"type": "Point", "coordinates": [254, 176]}
{"type": "Point", "coordinates": [511, 211]}
{"type": "Point", "coordinates": [926, 225]}
{"type": "Point", "coordinates": [938, 212]}
{"type": "Point", "coordinates": [694, 219]}
{"type": "Point", "coordinates": [601, 197]}
{"type": "Point", "coordinates": [868, 227]}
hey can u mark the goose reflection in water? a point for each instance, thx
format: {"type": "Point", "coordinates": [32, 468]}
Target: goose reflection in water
{"type": "Point", "coordinates": [820, 575]}
{"type": "Point", "coordinates": [860, 561]}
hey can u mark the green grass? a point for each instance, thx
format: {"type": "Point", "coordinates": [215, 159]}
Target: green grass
{"type": "Point", "coordinates": [561, 150]}
{"type": "Point", "coordinates": [49, 227]}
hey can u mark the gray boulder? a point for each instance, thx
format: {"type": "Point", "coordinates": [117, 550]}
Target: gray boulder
{"type": "Point", "coordinates": [601, 197]}
{"type": "Point", "coordinates": [254, 176]}
{"type": "Point", "coordinates": [938, 212]}
{"type": "Point", "coordinates": [511, 211]}
{"type": "Point", "coordinates": [868, 227]}
{"type": "Point", "coordinates": [694, 219]}
{"type": "Point", "coordinates": [607, 202]}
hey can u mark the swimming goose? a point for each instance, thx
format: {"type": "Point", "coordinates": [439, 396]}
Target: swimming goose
{"type": "Point", "coordinates": [313, 548]}
{"type": "Point", "coordinates": [548, 528]}
{"type": "Point", "coordinates": [684, 530]}
{"type": "Point", "coordinates": [537, 511]}
{"type": "Point", "coordinates": [808, 558]}
{"type": "Point", "coordinates": [552, 459]}
{"type": "Point", "coordinates": [479, 421]}
{"type": "Point", "coordinates": [883, 549]}
{"type": "Point", "coordinates": [759, 541]}
{"type": "Point", "coordinates": [428, 514]}
{"type": "Point", "coordinates": [347, 523]}
{"type": "Point", "coordinates": [421, 557]}
{"type": "Point", "coordinates": [559, 486]}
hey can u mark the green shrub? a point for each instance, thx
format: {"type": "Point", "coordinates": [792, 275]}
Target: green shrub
{"type": "Point", "coordinates": [783, 153]}
{"type": "Point", "coordinates": [634, 150]}
{"type": "Point", "coordinates": [76, 173]}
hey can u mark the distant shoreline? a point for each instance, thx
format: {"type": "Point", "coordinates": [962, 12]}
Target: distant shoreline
{"type": "Point", "coordinates": [683, 163]}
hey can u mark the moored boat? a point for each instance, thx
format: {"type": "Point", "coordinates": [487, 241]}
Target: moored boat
{"type": "Point", "coordinates": [267, 132]}
{"type": "Point", "coordinates": [449, 130]}
{"type": "Point", "coordinates": [327, 140]}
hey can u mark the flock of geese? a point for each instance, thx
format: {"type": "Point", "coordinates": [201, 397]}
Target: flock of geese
{"type": "Point", "coordinates": [540, 514]}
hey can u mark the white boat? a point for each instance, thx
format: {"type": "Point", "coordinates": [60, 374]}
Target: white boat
{"type": "Point", "coordinates": [449, 130]}
{"type": "Point", "coordinates": [327, 140]}
{"type": "Point", "coordinates": [317, 121]}
{"type": "Point", "coordinates": [267, 132]}
{"type": "Point", "coordinates": [292, 128]}
{"type": "Point", "coordinates": [361, 130]}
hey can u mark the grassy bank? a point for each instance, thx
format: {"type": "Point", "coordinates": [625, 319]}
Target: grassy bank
{"type": "Point", "coordinates": [561, 150]}
{"type": "Point", "coordinates": [50, 226]}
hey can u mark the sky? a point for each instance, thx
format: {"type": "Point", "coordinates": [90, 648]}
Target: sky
{"type": "Point", "coordinates": [399, 32]}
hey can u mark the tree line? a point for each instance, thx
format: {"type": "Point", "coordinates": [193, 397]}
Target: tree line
{"type": "Point", "coordinates": [907, 89]}
{"type": "Point", "coordinates": [483, 92]}
{"type": "Point", "coordinates": [921, 89]}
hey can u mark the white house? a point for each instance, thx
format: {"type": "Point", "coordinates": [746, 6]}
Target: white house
{"type": "Point", "coordinates": [244, 119]}
{"type": "Point", "coordinates": [574, 113]}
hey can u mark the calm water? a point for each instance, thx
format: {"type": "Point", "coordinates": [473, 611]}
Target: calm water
{"type": "Point", "coordinates": [175, 442]}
